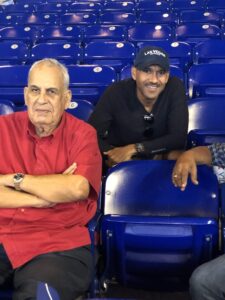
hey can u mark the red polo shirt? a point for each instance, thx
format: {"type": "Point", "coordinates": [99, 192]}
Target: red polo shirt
{"type": "Point", "coordinates": [28, 232]}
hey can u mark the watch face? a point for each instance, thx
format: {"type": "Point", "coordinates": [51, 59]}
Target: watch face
{"type": "Point", "coordinates": [18, 177]}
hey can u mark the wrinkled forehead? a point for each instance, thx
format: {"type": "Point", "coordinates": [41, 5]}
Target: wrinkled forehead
{"type": "Point", "coordinates": [46, 75]}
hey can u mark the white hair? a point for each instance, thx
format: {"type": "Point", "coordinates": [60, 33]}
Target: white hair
{"type": "Point", "coordinates": [56, 63]}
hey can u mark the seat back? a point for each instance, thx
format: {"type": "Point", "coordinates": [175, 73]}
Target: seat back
{"type": "Point", "coordinates": [65, 52]}
{"type": "Point", "coordinates": [115, 54]}
{"type": "Point", "coordinates": [99, 32]}
{"type": "Point", "coordinates": [79, 18]}
{"type": "Point", "coordinates": [23, 33]}
{"type": "Point", "coordinates": [210, 51]}
{"type": "Point", "coordinates": [63, 32]}
{"type": "Point", "coordinates": [13, 52]}
{"type": "Point", "coordinates": [117, 18]}
{"type": "Point", "coordinates": [197, 32]}
{"type": "Point", "coordinates": [199, 16]}
{"type": "Point", "coordinates": [206, 121]}
{"type": "Point", "coordinates": [149, 32]}
{"type": "Point", "coordinates": [13, 79]}
{"type": "Point", "coordinates": [153, 234]}
{"type": "Point", "coordinates": [89, 81]}
{"type": "Point", "coordinates": [82, 109]}
{"type": "Point", "coordinates": [157, 17]}
{"type": "Point", "coordinates": [206, 80]}
{"type": "Point", "coordinates": [6, 107]}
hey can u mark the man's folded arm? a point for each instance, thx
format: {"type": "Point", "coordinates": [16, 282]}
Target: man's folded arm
{"type": "Point", "coordinates": [10, 198]}
{"type": "Point", "coordinates": [54, 188]}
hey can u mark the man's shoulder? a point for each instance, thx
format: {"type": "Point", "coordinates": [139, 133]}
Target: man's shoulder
{"type": "Point", "coordinates": [77, 124]}
{"type": "Point", "coordinates": [13, 117]}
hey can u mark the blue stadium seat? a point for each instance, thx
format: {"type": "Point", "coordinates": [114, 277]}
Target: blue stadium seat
{"type": "Point", "coordinates": [115, 54]}
{"type": "Point", "coordinates": [206, 121]}
{"type": "Point", "coordinates": [20, 8]}
{"type": "Point", "coordinates": [149, 32]}
{"type": "Point", "coordinates": [199, 16]}
{"type": "Point", "coordinates": [39, 19]}
{"type": "Point", "coordinates": [10, 19]}
{"type": "Point", "coordinates": [81, 109]}
{"type": "Point", "coordinates": [13, 52]}
{"type": "Point", "coordinates": [206, 80]}
{"type": "Point", "coordinates": [210, 51]}
{"type": "Point", "coordinates": [174, 71]}
{"type": "Point", "coordinates": [26, 34]}
{"type": "Point", "coordinates": [87, 7]}
{"type": "Point", "coordinates": [53, 7]}
{"type": "Point", "coordinates": [104, 32]}
{"type": "Point", "coordinates": [6, 107]}
{"type": "Point", "coordinates": [62, 32]}
{"type": "Point", "coordinates": [153, 5]}
{"type": "Point", "coordinates": [123, 6]}
{"type": "Point", "coordinates": [158, 17]}
{"type": "Point", "coordinates": [117, 18]}
{"type": "Point", "coordinates": [197, 32]}
{"type": "Point", "coordinates": [13, 79]}
{"type": "Point", "coordinates": [216, 5]}
{"type": "Point", "coordinates": [82, 18]}
{"type": "Point", "coordinates": [89, 81]}
{"type": "Point", "coordinates": [65, 52]}
{"type": "Point", "coordinates": [180, 5]}
{"type": "Point", "coordinates": [180, 53]}
{"type": "Point", "coordinates": [153, 234]}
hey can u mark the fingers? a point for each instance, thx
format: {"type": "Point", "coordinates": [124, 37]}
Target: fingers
{"type": "Point", "coordinates": [180, 177]}
{"type": "Point", "coordinates": [71, 169]}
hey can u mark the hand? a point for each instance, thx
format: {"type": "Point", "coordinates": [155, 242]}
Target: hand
{"type": "Point", "coordinates": [71, 169]}
{"type": "Point", "coordinates": [185, 166]}
{"type": "Point", "coordinates": [119, 154]}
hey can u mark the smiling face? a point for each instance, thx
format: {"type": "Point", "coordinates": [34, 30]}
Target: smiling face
{"type": "Point", "coordinates": [46, 97]}
{"type": "Point", "coordinates": [150, 82]}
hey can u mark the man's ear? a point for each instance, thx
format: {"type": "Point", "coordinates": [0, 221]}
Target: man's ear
{"type": "Point", "coordinates": [67, 98]}
{"type": "Point", "coordinates": [133, 73]}
{"type": "Point", "coordinates": [25, 91]}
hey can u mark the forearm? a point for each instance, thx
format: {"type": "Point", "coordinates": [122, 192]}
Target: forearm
{"type": "Point", "coordinates": [57, 188]}
{"type": "Point", "coordinates": [201, 155]}
{"type": "Point", "coordinates": [10, 198]}
{"type": "Point", "coordinates": [165, 143]}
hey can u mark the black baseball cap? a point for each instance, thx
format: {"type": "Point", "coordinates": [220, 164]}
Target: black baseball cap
{"type": "Point", "coordinates": [151, 55]}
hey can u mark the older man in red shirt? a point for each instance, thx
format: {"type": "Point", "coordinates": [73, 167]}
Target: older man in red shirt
{"type": "Point", "coordinates": [50, 177]}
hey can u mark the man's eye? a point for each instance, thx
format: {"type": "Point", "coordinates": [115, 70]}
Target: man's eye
{"type": "Point", "coordinates": [161, 72]}
{"type": "Point", "coordinates": [51, 92]}
{"type": "Point", "coordinates": [34, 90]}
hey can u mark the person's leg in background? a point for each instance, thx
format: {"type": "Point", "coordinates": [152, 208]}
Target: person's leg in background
{"type": "Point", "coordinates": [68, 272]}
{"type": "Point", "coordinates": [208, 280]}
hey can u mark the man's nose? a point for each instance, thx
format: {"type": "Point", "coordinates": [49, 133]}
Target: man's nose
{"type": "Point", "coordinates": [42, 97]}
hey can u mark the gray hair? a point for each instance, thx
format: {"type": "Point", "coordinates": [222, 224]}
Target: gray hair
{"type": "Point", "coordinates": [56, 63]}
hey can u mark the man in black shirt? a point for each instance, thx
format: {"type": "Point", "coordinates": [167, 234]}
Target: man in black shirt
{"type": "Point", "coordinates": [145, 115]}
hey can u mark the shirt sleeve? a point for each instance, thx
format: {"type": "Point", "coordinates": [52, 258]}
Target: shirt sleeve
{"type": "Point", "coordinates": [86, 154]}
{"type": "Point", "coordinates": [102, 119]}
{"type": "Point", "coordinates": [177, 123]}
{"type": "Point", "coordinates": [218, 154]}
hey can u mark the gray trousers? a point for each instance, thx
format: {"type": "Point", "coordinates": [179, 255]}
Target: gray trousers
{"type": "Point", "coordinates": [208, 280]}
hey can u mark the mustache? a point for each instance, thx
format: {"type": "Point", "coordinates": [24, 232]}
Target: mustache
{"type": "Point", "coordinates": [151, 84]}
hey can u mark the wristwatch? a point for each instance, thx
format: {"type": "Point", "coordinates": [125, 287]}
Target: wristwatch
{"type": "Point", "coordinates": [17, 179]}
{"type": "Point", "coordinates": [139, 147]}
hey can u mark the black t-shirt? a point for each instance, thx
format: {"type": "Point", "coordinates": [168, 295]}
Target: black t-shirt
{"type": "Point", "coordinates": [119, 118]}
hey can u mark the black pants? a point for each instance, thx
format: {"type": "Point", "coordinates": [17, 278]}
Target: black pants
{"type": "Point", "coordinates": [68, 272]}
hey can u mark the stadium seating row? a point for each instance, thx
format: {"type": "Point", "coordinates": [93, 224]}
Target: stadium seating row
{"type": "Point", "coordinates": [129, 6]}
{"type": "Point", "coordinates": [111, 17]}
